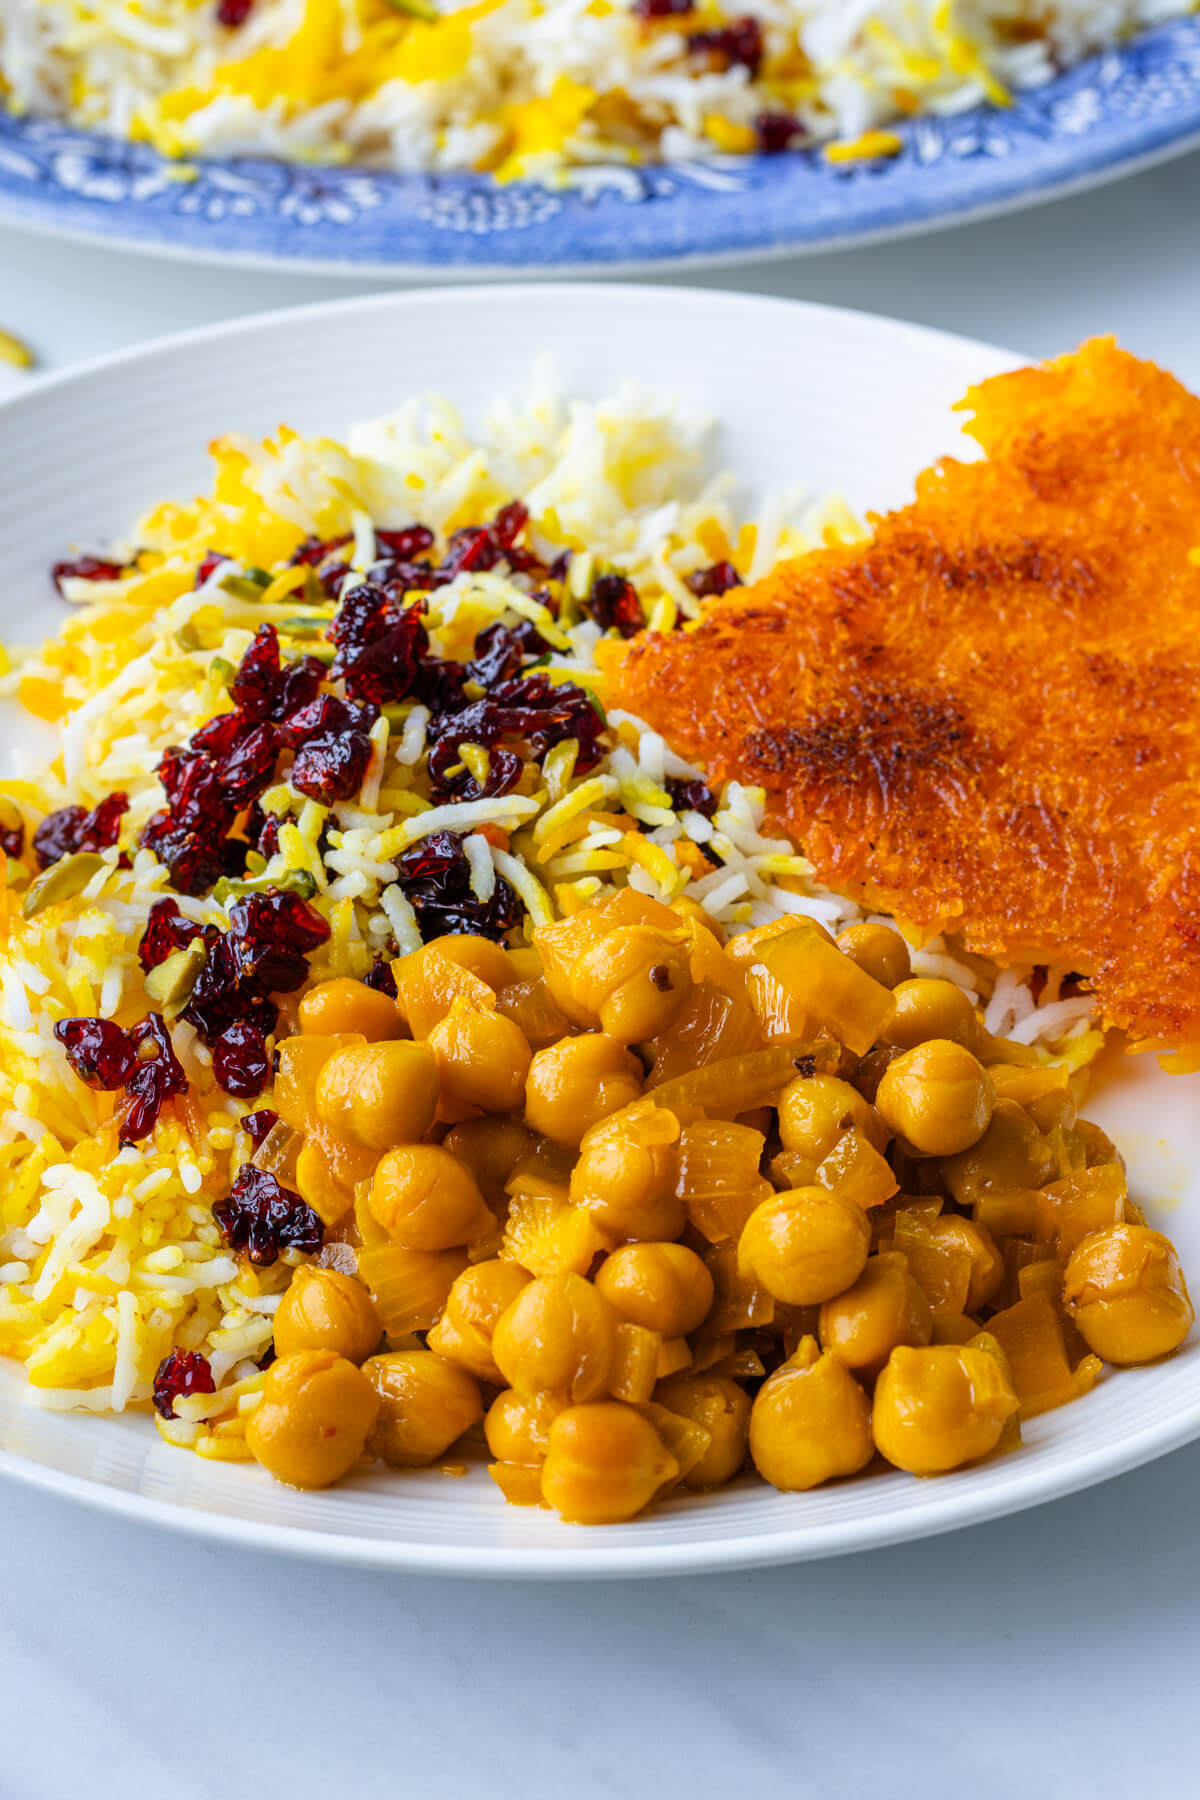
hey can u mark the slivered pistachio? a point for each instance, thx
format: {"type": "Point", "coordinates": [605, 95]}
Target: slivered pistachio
{"type": "Point", "coordinates": [303, 627]}
{"type": "Point", "coordinates": [170, 984]}
{"type": "Point", "coordinates": [314, 593]}
{"type": "Point", "coordinates": [294, 881]}
{"type": "Point", "coordinates": [221, 670]}
{"type": "Point", "coordinates": [66, 878]}
{"type": "Point", "coordinates": [416, 9]}
{"type": "Point", "coordinates": [249, 585]}
{"type": "Point", "coordinates": [188, 637]}
{"type": "Point", "coordinates": [396, 713]}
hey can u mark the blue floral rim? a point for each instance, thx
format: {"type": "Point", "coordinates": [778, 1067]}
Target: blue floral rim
{"type": "Point", "coordinates": [1126, 106]}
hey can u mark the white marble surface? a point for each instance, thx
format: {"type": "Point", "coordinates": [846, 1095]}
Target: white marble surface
{"type": "Point", "coordinates": [1053, 1653]}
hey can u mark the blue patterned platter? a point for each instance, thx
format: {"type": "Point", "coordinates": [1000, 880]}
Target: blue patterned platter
{"type": "Point", "coordinates": [1108, 115]}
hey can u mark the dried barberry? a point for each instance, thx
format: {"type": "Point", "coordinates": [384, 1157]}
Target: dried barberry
{"type": "Point", "coordinates": [383, 666]}
{"type": "Point", "coordinates": [262, 1218]}
{"type": "Point", "coordinates": [272, 933]}
{"type": "Point", "coordinates": [192, 861]}
{"type": "Point", "coordinates": [12, 839]}
{"type": "Point", "coordinates": [258, 1125]}
{"type": "Point", "coordinates": [402, 546]}
{"type": "Point", "coordinates": [208, 566]}
{"type": "Point", "coordinates": [98, 1051]}
{"type": "Point", "coordinates": [331, 768]}
{"type": "Point", "coordinates": [435, 877]}
{"type": "Point", "coordinates": [156, 1076]}
{"type": "Point", "coordinates": [691, 796]}
{"type": "Point", "coordinates": [474, 548]}
{"type": "Point", "coordinates": [240, 1062]}
{"type": "Point", "coordinates": [182, 1372]}
{"type": "Point", "coordinates": [166, 932]}
{"type": "Point", "coordinates": [614, 604]}
{"type": "Point", "coordinates": [73, 828]}
{"type": "Point", "coordinates": [662, 9]}
{"type": "Point", "coordinates": [717, 579]}
{"type": "Point", "coordinates": [314, 551]}
{"type": "Point", "coordinates": [777, 131]}
{"type": "Point", "coordinates": [738, 44]}
{"type": "Point", "coordinates": [85, 568]}
{"type": "Point", "coordinates": [450, 778]}
{"type": "Point", "coordinates": [326, 716]}
{"type": "Point", "coordinates": [379, 976]}
{"type": "Point", "coordinates": [259, 675]}
{"type": "Point", "coordinates": [501, 651]}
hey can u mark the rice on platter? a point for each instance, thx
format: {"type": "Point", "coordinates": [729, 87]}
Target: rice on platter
{"type": "Point", "coordinates": [532, 88]}
{"type": "Point", "coordinates": [343, 704]}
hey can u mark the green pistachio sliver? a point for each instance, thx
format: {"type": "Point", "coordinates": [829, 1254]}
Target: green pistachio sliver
{"type": "Point", "coordinates": [395, 713]}
{"type": "Point", "coordinates": [62, 881]}
{"type": "Point", "coordinates": [416, 9]}
{"type": "Point", "coordinates": [295, 881]}
{"type": "Point", "coordinates": [314, 593]}
{"type": "Point", "coordinates": [170, 984]}
{"type": "Point", "coordinates": [249, 585]}
{"type": "Point", "coordinates": [323, 652]}
{"type": "Point", "coordinates": [188, 636]}
{"type": "Point", "coordinates": [222, 671]}
{"type": "Point", "coordinates": [597, 705]}
{"type": "Point", "coordinates": [302, 627]}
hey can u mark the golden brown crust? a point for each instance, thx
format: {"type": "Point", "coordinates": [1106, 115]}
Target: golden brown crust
{"type": "Point", "coordinates": [987, 720]}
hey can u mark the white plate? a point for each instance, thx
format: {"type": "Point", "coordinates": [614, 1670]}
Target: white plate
{"type": "Point", "coordinates": [840, 400]}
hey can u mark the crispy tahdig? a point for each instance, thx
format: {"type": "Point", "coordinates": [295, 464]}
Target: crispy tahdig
{"type": "Point", "coordinates": [987, 719]}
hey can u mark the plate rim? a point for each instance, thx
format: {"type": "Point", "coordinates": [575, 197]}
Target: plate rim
{"type": "Point", "coordinates": [1025, 1485]}
{"type": "Point", "coordinates": [1126, 145]}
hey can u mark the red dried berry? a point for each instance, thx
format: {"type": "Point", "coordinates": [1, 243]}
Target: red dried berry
{"type": "Point", "coordinates": [208, 567]}
{"type": "Point", "coordinates": [256, 685]}
{"type": "Point", "coordinates": [262, 1218]}
{"type": "Point", "coordinates": [509, 523]}
{"type": "Point", "coordinates": [182, 1372]}
{"type": "Point", "coordinates": [232, 13]}
{"type": "Point", "coordinates": [314, 551]}
{"type": "Point", "coordinates": [777, 131]}
{"type": "Point", "coordinates": [12, 840]}
{"type": "Point", "coordinates": [504, 772]}
{"type": "Point", "coordinates": [156, 1076]}
{"type": "Point", "coordinates": [471, 548]}
{"type": "Point", "coordinates": [691, 796]}
{"type": "Point", "coordinates": [85, 568]}
{"type": "Point", "coordinates": [258, 1125]}
{"type": "Point", "coordinates": [501, 650]}
{"type": "Point", "coordinates": [718, 579]}
{"type": "Point", "coordinates": [331, 768]}
{"type": "Point", "coordinates": [402, 546]}
{"type": "Point", "coordinates": [740, 43]}
{"type": "Point", "coordinates": [614, 604]}
{"type": "Point", "coordinates": [98, 1051]}
{"type": "Point", "coordinates": [662, 9]}
{"type": "Point", "coordinates": [192, 861]}
{"type": "Point", "coordinates": [379, 976]}
{"type": "Point", "coordinates": [166, 932]}
{"type": "Point", "coordinates": [240, 1062]}
{"type": "Point", "coordinates": [436, 879]}
{"type": "Point", "coordinates": [326, 716]}
{"type": "Point", "coordinates": [71, 829]}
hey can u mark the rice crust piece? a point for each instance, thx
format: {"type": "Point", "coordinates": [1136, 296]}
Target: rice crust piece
{"type": "Point", "coordinates": [987, 719]}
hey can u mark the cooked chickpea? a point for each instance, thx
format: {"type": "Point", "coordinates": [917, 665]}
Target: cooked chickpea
{"type": "Point", "coordinates": [723, 1409]}
{"type": "Point", "coordinates": [942, 1406]}
{"type": "Point", "coordinates": [879, 952]}
{"type": "Point", "coordinates": [323, 1309]}
{"type": "Point", "coordinates": [883, 1308]}
{"type": "Point", "coordinates": [810, 1422]}
{"type": "Point", "coordinates": [341, 1005]}
{"type": "Point", "coordinates": [604, 1464]}
{"type": "Point", "coordinates": [931, 1009]}
{"type": "Point", "coordinates": [938, 1097]}
{"type": "Point", "coordinates": [814, 1111]}
{"type": "Point", "coordinates": [557, 1338]}
{"type": "Point", "coordinates": [426, 1200]}
{"type": "Point", "coordinates": [474, 1305]}
{"type": "Point", "coordinates": [663, 1287]}
{"type": "Point", "coordinates": [490, 1147]}
{"type": "Point", "coordinates": [425, 1405]}
{"type": "Point", "coordinates": [574, 1084]}
{"type": "Point", "coordinates": [1126, 1292]}
{"type": "Point", "coordinates": [805, 1245]}
{"type": "Point", "coordinates": [1012, 1153]}
{"type": "Point", "coordinates": [482, 1059]}
{"type": "Point", "coordinates": [379, 1094]}
{"type": "Point", "coordinates": [626, 1175]}
{"type": "Point", "coordinates": [313, 1420]}
{"type": "Point", "coordinates": [517, 1426]}
{"type": "Point", "coordinates": [987, 1261]}
{"type": "Point", "coordinates": [480, 956]}
{"type": "Point", "coordinates": [635, 982]}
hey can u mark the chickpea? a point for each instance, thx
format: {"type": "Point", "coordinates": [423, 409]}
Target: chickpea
{"type": "Point", "coordinates": [626, 1175]}
{"type": "Point", "coordinates": [479, 956]}
{"type": "Point", "coordinates": [517, 1426]}
{"type": "Point", "coordinates": [490, 1147]}
{"type": "Point", "coordinates": [814, 1111]}
{"type": "Point", "coordinates": [474, 1305]}
{"type": "Point", "coordinates": [574, 1084]}
{"type": "Point", "coordinates": [425, 1405]}
{"type": "Point", "coordinates": [1126, 1292]}
{"type": "Point", "coordinates": [313, 1420]}
{"type": "Point", "coordinates": [940, 1407]}
{"type": "Point", "coordinates": [931, 1009]}
{"type": "Point", "coordinates": [937, 1097]}
{"type": "Point", "coordinates": [723, 1409]}
{"type": "Point", "coordinates": [426, 1200]}
{"type": "Point", "coordinates": [663, 1287]}
{"type": "Point", "coordinates": [604, 1464]}
{"type": "Point", "coordinates": [379, 1094]}
{"type": "Point", "coordinates": [805, 1245]}
{"type": "Point", "coordinates": [1012, 1153]}
{"type": "Point", "coordinates": [323, 1309]}
{"type": "Point", "coordinates": [482, 1059]}
{"type": "Point", "coordinates": [557, 1338]}
{"type": "Point", "coordinates": [635, 981]}
{"type": "Point", "coordinates": [885, 1307]}
{"type": "Point", "coordinates": [341, 1005]}
{"type": "Point", "coordinates": [879, 952]}
{"type": "Point", "coordinates": [987, 1261]}
{"type": "Point", "coordinates": [810, 1422]}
